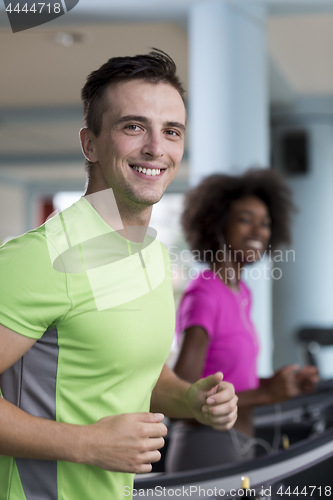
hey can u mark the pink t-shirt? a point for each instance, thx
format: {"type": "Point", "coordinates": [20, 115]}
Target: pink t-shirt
{"type": "Point", "coordinates": [225, 315]}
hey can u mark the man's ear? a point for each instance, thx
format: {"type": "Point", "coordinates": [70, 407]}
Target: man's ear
{"type": "Point", "coordinates": [88, 145]}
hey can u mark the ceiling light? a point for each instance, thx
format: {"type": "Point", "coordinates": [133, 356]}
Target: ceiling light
{"type": "Point", "coordinates": [68, 39]}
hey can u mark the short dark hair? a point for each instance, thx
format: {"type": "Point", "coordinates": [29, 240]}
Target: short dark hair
{"type": "Point", "coordinates": [207, 207]}
{"type": "Point", "coordinates": [154, 67]}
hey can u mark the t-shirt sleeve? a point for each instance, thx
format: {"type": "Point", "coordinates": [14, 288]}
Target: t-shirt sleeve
{"type": "Point", "coordinates": [197, 308]}
{"type": "Point", "coordinates": [33, 295]}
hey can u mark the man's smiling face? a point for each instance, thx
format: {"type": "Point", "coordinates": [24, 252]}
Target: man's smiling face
{"type": "Point", "coordinates": [141, 142]}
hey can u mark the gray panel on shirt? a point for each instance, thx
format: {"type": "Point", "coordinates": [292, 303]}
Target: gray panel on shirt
{"type": "Point", "coordinates": [30, 384]}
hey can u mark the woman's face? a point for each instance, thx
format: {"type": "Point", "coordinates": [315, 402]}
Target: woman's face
{"type": "Point", "coordinates": [248, 231]}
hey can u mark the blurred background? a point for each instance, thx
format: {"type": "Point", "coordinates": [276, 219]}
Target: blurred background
{"type": "Point", "coordinates": [259, 75]}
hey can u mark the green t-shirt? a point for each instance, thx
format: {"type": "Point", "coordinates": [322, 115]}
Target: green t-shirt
{"type": "Point", "coordinates": [102, 308]}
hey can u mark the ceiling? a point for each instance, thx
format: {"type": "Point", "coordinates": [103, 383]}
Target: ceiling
{"type": "Point", "coordinates": [41, 72]}
{"type": "Point", "coordinates": [302, 48]}
{"type": "Point", "coordinates": [40, 81]}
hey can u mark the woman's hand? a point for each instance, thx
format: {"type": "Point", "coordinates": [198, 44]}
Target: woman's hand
{"type": "Point", "coordinates": [307, 378]}
{"type": "Point", "coordinates": [289, 382]}
{"type": "Point", "coordinates": [281, 386]}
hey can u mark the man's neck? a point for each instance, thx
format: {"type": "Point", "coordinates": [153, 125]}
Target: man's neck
{"type": "Point", "coordinates": [131, 221]}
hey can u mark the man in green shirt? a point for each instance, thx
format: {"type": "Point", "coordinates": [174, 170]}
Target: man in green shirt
{"type": "Point", "coordinates": [87, 313]}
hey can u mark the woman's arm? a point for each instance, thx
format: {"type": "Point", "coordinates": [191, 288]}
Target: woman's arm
{"type": "Point", "coordinates": [190, 362]}
{"type": "Point", "coordinates": [280, 387]}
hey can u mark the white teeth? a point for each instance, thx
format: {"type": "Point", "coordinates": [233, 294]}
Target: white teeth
{"type": "Point", "coordinates": [147, 171]}
{"type": "Point", "coordinates": [255, 244]}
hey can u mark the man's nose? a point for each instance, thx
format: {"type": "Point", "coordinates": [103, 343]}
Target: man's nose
{"type": "Point", "coordinates": [153, 145]}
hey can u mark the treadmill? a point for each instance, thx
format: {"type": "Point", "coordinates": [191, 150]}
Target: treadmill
{"type": "Point", "coordinates": [303, 470]}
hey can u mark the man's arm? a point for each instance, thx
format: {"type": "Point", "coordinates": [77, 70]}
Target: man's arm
{"type": "Point", "coordinates": [209, 400]}
{"type": "Point", "coordinates": [12, 347]}
{"type": "Point", "coordinates": [122, 443]}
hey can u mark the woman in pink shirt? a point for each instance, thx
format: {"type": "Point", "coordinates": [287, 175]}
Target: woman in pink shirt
{"type": "Point", "coordinates": [229, 222]}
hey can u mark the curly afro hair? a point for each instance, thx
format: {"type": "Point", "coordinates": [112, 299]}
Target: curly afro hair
{"type": "Point", "coordinates": [207, 207]}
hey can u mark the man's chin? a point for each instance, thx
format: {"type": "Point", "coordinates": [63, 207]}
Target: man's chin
{"type": "Point", "coordinates": [149, 199]}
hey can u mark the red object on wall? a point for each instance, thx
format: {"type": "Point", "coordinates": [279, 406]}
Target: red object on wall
{"type": "Point", "coordinates": [46, 209]}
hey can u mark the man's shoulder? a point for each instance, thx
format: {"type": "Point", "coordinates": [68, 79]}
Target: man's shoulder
{"type": "Point", "coordinates": [64, 220]}
{"type": "Point", "coordinates": [25, 257]}
{"type": "Point", "coordinates": [165, 251]}
{"type": "Point", "coordinates": [61, 231]}
{"type": "Point", "coordinates": [38, 244]}
{"type": "Point", "coordinates": [33, 240]}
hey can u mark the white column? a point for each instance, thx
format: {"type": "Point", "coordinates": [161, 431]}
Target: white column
{"type": "Point", "coordinates": [228, 111]}
{"type": "Point", "coordinates": [228, 107]}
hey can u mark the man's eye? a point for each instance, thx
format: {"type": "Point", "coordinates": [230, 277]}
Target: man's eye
{"type": "Point", "coordinates": [133, 127]}
{"type": "Point", "coordinates": [173, 133]}
{"type": "Point", "coordinates": [244, 220]}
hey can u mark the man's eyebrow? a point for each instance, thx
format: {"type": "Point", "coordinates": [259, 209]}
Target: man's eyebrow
{"type": "Point", "coordinates": [144, 119]}
{"type": "Point", "coordinates": [134, 118]}
{"type": "Point", "coordinates": [177, 125]}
